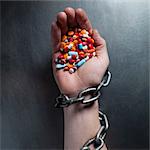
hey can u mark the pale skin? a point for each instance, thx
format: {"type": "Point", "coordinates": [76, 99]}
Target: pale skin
{"type": "Point", "coordinates": [80, 123]}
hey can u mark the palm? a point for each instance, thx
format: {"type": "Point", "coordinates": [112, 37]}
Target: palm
{"type": "Point", "coordinates": [89, 74]}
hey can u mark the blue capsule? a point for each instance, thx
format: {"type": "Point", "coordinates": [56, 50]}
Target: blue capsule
{"type": "Point", "coordinates": [73, 53]}
{"type": "Point", "coordinates": [80, 63]}
{"type": "Point", "coordinates": [59, 66]}
{"type": "Point", "coordinates": [80, 46]}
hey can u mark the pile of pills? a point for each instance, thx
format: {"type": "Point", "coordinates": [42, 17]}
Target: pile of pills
{"type": "Point", "coordinates": [76, 47]}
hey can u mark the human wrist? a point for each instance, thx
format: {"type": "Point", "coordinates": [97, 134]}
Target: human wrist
{"type": "Point", "coordinates": [81, 120]}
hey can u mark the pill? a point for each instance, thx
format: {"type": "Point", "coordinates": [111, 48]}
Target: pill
{"type": "Point", "coordinates": [81, 53]}
{"type": "Point", "coordinates": [71, 61]}
{"type": "Point", "coordinates": [56, 60]}
{"type": "Point", "coordinates": [66, 68]}
{"type": "Point", "coordinates": [64, 38]}
{"type": "Point", "coordinates": [71, 70]}
{"type": "Point", "coordinates": [90, 50]}
{"type": "Point", "coordinates": [68, 57]}
{"type": "Point", "coordinates": [87, 58]}
{"type": "Point", "coordinates": [59, 66]}
{"type": "Point", "coordinates": [80, 46]}
{"type": "Point", "coordinates": [73, 48]}
{"type": "Point", "coordinates": [70, 65]}
{"type": "Point", "coordinates": [85, 47]}
{"type": "Point", "coordinates": [74, 56]}
{"type": "Point", "coordinates": [85, 35]}
{"type": "Point", "coordinates": [90, 46]}
{"type": "Point", "coordinates": [70, 33]}
{"type": "Point", "coordinates": [94, 53]}
{"type": "Point", "coordinates": [72, 53]}
{"type": "Point", "coordinates": [81, 56]}
{"type": "Point", "coordinates": [65, 56]}
{"type": "Point", "coordinates": [80, 63]}
{"type": "Point", "coordinates": [61, 56]}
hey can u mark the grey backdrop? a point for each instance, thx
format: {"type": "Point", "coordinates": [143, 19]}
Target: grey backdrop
{"type": "Point", "coordinates": [29, 120]}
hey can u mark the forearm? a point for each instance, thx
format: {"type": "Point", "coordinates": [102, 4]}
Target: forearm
{"type": "Point", "coordinates": [80, 125]}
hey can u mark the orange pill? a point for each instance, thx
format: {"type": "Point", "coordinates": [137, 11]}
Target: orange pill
{"type": "Point", "coordinates": [91, 50]}
{"type": "Point", "coordinates": [73, 48]}
{"type": "Point", "coordinates": [66, 68]}
{"type": "Point", "coordinates": [70, 65]}
{"type": "Point", "coordinates": [62, 44]}
{"type": "Point", "coordinates": [70, 33]}
{"type": "Point", "coordinates": [83, 31]}
{"type": "Point", "coordinates": [81, 53]}
{"type": "Point", "coordinates": [65, 56]}
{"type": "Point", "coordinates": [75, 41]}
{"type": "Point", "coordinates": [92, 41]}
{"type": "Point", "coordinates": [64, 37]}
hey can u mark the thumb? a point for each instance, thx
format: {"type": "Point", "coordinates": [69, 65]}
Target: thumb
{"type": "Point", "coordinates": [100, 43]}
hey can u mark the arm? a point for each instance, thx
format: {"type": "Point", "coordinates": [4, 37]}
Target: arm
{"type": "Point", "coordinates": [80, 123]}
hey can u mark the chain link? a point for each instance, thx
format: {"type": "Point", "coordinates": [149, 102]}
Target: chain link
{"type": "Point", "coordinates": [64, 101]}
{"type": "Point", "coordinates": [98, 141]}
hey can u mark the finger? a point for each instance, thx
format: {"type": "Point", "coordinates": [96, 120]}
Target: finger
{"type": "Point", "coordinates": [62, 22]}
{"type": "Point", "coordinates": [99, 43]}
{"type": "Point", "coordinates": [82, 20]}
{"type": "Point", "coordinates": [71, 19]}
{"type": "Point", "coordinates": [98, 40]}
{"type": "Point", "coordinates": [56, 36]}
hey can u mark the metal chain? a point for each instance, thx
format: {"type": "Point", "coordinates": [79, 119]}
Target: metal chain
{"type": "Point", "coordinates": [64, 101]}
{"type": "Point", "coordinates": [98, 141]}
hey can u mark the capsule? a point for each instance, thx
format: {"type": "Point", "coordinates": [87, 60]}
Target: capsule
{"type": "Point", "coordinates": [70, 33]}
{"type": "Point", "coordinates": [73, 53]}
{"type": "Point", "coordinates": [60, 66]}
{"type": "Point", "coordinates": [71, 70]}
{"type": "Point", "coordinates": [80, 63]}
{"type": "Point", "coordinates": [80, 46]}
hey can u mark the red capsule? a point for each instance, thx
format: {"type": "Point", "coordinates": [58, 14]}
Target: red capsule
{"type": "Point", "coordinates": [74, 56]}
{"type": "Point", "coordinates": [61, 56]}
{"type": "Point", "coordinates": [71, 61]}
{"type": "Point", "coordinates": [90, 46]}
{"type": "Point", "coordinates": [66, 49]}
{"type": "Point", "coordinates": [81, 56]}
{"type": "Point", "coordinates": [70, 39]}
{"type": "Point", "coordinates": [90, 55]}
{"type": "Point", "coordinates": [79, 41]}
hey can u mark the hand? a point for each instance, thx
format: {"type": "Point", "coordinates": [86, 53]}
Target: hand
{"type": "Point", "coordinates": [89, 74]}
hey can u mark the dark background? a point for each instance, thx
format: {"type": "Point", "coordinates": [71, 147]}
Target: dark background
{"type": "Point", "coordinates": [29, 120]}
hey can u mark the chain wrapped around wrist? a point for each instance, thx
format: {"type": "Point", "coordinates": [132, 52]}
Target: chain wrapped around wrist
{"type": "Point", "coordinates": [64, 101]}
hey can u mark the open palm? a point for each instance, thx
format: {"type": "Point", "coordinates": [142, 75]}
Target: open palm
{"type": "Point", "coordinates": [89, 74]}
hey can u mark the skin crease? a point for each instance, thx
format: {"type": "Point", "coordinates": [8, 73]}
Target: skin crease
{"type": "Point", "coordinates": [90, 74]}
